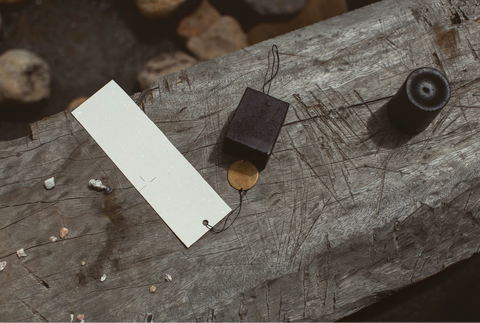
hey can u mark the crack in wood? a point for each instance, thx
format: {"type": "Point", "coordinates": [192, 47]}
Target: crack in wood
{"type": "Point", "coordinates": [36, 313]}
{"type": "Point", "coordinates": [37, 278]}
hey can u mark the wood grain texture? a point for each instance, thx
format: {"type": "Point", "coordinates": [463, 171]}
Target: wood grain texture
{"type": "Point", "coordinates": [347, 211]}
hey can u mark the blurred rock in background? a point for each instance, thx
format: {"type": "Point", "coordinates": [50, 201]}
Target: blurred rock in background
{"type": "Point", "coordinates": [199, 21]}
{"type": "Point", "coordinates": [276, 7]}
{"type": "Point", "coordinates": [313, 11]}
{"type": "Point", "coordinates": [76, 102]}
{"type": "Point", "coordinates": [163, 64]}
{"type": "Point", "coordinates": [24, 78]}
{"type": "Point", "coordinates": [86, 44]}
{"type": "Point", "coordinates": [10, 1]}
{"type": "Point", "coordinates": [209, 35]}
{"type": "Point", "coordinates": [224, 36]}
{"type": "Point", "coordinates": [155, 9]}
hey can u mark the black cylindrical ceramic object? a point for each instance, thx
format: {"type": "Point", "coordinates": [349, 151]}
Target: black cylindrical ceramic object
{"type": "Point", "coordinates": [420, 99]}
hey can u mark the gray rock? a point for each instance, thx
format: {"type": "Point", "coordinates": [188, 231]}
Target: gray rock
{"type": "Point", "coordinates": [163, 64]}
{"type": "Point", "coordinates": [313, 12]}
{"type": "Point", "coordinates": [199, 21]}
{"type": "Point", "coordinates": [276, 7]}
{"type": "Point", "coordinates": [24, 77]}
{"type": "Point", "coordinates": [224, 36]}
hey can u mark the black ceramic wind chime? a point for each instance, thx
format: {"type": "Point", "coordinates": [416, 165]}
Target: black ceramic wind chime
{"type": "Point", "coordinates": [251, 135]}
{"type": "Point", "coordinates": [419, 100]}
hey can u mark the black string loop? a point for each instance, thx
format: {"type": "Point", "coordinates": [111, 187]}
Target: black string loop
{"type": "Point", "coordinates": [276, 59]}
{"type": "Point", "coordinates": [239, 208]}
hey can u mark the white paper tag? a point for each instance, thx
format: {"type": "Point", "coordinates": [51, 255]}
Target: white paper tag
{"type": "Point", "coordinates": [169, 183]}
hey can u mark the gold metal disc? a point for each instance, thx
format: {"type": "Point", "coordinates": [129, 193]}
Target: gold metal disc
{"type": "Point", "coordinates": [242, 175]}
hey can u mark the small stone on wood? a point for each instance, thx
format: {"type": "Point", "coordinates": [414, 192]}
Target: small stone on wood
{"type": "Point", "coordinates": [153, 289]}
{"type": "Point", "coordinates": [63, 233]}
{"type": "Point", "coordinates": [83, 263]}
{"type": "Point", "coordinates": [80, 318]}
{"type": "Point", "coordinates": [3, 264]}
{"type": "Point", "coordinates": [168, 278]}
{"type": "Point", "coordinates": [21, 253]}
{"type": "Point", "coordinates": [53, 239]}
{"type": "Point", "coordinates": [102, 279]}
{"type": "Point", "coordinates": [49, 183]}
{"type": "Point", "coordinates": [97, 184]}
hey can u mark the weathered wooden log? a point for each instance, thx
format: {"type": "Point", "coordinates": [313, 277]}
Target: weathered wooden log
{"type": "Point", "coordinates": [346, 212]}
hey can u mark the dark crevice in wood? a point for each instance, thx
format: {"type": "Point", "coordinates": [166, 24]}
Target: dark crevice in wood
{"type": "Point", "coordinates": [37, 278]}
{"type": "Point", "coordinates": [34, 311]}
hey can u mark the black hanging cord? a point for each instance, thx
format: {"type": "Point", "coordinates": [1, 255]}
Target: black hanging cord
{"type": "Point", "coordinates": [239, 208]}
{"type": "Point", "coordinates": [276, 59]}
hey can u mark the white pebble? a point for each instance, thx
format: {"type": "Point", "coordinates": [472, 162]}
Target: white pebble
{"type": "Point", "coordinates": [3, 264]}
{"type": "Point", "coordinates": [103, 278]}
{"type": "Point", "coordinates": [21, 253]}
{"type": "Point", "coordinates": [71, 317]}
{"type": "Point", "coordinates": [96, 183]}
{"type": "Point", "coordinates": [53, 239]}
{"type": "Point", "coordinates": [168, 278]}
{"type": "Point", "coordinates": [49, 183]}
